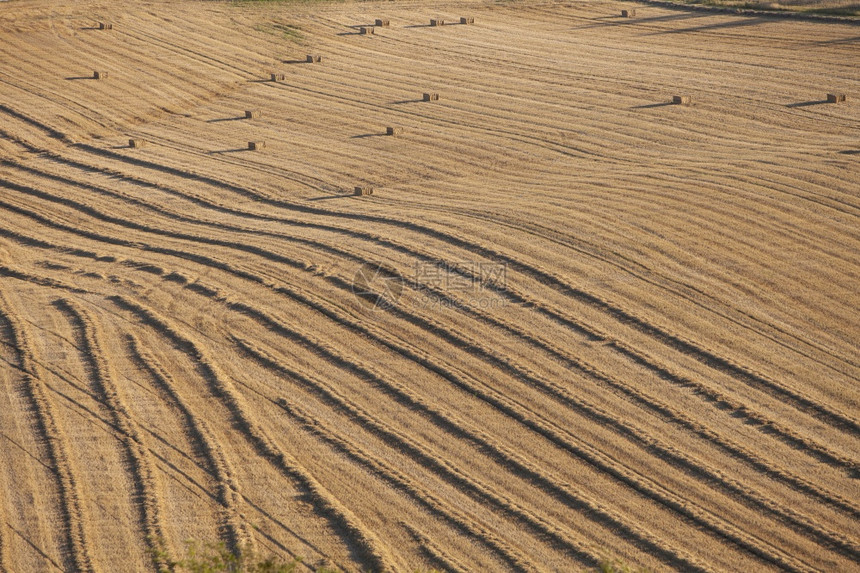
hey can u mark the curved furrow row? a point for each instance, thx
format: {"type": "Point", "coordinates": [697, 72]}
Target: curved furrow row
{"type": "Point", "coordinates": [509, 291]}
{"type": "Point", "coordinates": [408, 486]}
{"type": "Point", "coordinates": [686, 462]}
{"type": "Point", "coordinates": [534, 421]}
{"type": "Point", "coordinates": [605, 418]}
{"type": "Point", "coordinates": [677, 342]}
{"type": "Point", "coordinates": [369, 546]}
{"type": "Point", "coordinates": [78, 556]}
{"type": "Point", "coordinates": [403, 443]}
{"type": "Point", "coordinates": [738, 410]}
{"type": "Point", "coordinates": [741, 411]}
{"type": "Point", "coordinates": [10, 272]}
{"type": "Point", "coordinates": [647, 488]}
{"type": "Point", "coordinates": [566, 441]}
{"type": "Point", "coordinates": [90, 167]}
{"type": "Point", "coordinates": [236, 534]}
{"type": "Point", "coordinates": [435, 553]}
{"type": "Point", "coordinates": [597, 459]}
{"type": "Point", "coordinates": [210, 292]}
{"type": "Point", "coordinates": [694, 467]}
{"type": "Point", "coordinates": [549, 279]}
{"type": "Point", "coordinates": [146, 484]}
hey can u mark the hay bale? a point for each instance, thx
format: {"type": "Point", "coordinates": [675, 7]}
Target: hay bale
{"type": "Point", "coordinates": [836, 98]}
{"type": "Point", "coordinates": [100, 75]}
{"type": "Point", "coordinates": [383, 23]}
{"type": "Point", "coordinates": [278, 77]}
{"type": "Point", "coordinates": [256, 145]}
{"type": "Point", "coordinates": [431, 97]}
{"type": "Point", "coordinates": [314, 59]}
{"type": "Point", "coordinates": [437, 22]}
{"type": "Point", "coordinates": [361, 190]}
{"type": "Point", "coordinates": [252, 114]}
{"type": "Point", "coordinates": [136, 143]}
{"type": "Point", "coordinates": [105, 26]}
{"type": "Point", "coordinates": [628, 13]}
{"type": "Point", "coordinates": [366, 30]}
{"type": "Point", "coordinates": [467, 20]}
{"type": "Point", "coordinates": [393, 130]}
{"type": "Point", "coordinates": [682, 100]}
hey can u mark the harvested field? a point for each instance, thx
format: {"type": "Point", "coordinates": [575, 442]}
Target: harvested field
{"type": "Point", "coordinates": [571, 321]}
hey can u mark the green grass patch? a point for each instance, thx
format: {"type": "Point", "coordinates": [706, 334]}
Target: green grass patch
{"type": "Point", "coordinates": [289, 32]}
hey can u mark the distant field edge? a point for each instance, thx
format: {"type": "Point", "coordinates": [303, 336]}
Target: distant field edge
{"type": "Point", "coordinates": [769, 9]}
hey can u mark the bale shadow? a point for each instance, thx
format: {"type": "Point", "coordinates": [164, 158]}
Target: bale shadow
{"type": "Point", "coordinates": [652, 105]}
{"type": "Point", "coordinates": [807, 103]}
{"type": "Point", "coordinates": [236, 150]}
{"type": "Point", "coordinates": [80, 78]}
{"type": "Point", "coordinates": [366, 135]}
{"type": "Point", "coordinates": [328, 197]}
{"type": "Point", "coordinates": [401, 102]}
{"type": "Point", "coordinates": [220, 119]}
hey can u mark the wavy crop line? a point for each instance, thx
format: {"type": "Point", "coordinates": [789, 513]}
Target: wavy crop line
{"type": "Point", "coordinates": [677, 342]}
{"type": "Point", "coordinates": [564, 439]}
{"type": "Point", "coordinates": [88, 336]}
{"type": "Point", "coordinates": [741, 539]}
{"type": "Point", "coordinates": [434, 552]}
{"type": "Point", "coordinates": [257, 280]}
{"type": "Point", "coordinates": [822, 412]}
{"type": "Point", "coordinates": [74, 523]}
{"type": "Point", "coordinates": [368, 544]}
{"type": "Point", "coordinates": [403, 483]}
{"type": "Point", "coordinates": [507, 459]}
{"type": "Point", "coordinates": [696, 468]}
{"type": "Point", "coordinates": [773, 428]}
{"type": "Point", "coordinates": [764, 424]}
{"type": "Point", "coordinates": [238, 537]}
{"type": "Point", "coordinates": [424, 457]}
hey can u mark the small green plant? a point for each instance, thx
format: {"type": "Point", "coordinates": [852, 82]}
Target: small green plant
{"type": "Point", "coordinates": [216, 558]}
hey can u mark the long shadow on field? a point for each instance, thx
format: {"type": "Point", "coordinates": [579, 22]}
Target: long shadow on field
{"type": "Point", "coordinates": [739, 23]}
{"type": "Point", "coordinates": [80, 78]}
{"type": "Point", "coordinates": [219, 119]}
{"type": "Point", "coordinates": [618, 20]}
{"type": "Point", "coordinates": [853, 40]}
{"type": "Point", "coordinates": [650, 105]}
{"type": "Point", "coordinates": [237, 150]}
{"type": "Point", "coordinates": [365, 135]}
{"type": "Point", "coordinates": [291, 62]}
{"type": "Point", "coordinates": [401, 102]}
{"type": "Point", "coordinates": [850, 152]}
{"type": "Point", "coordinates": [327, 197]}
{"type": "Point", "coordinates": [807, 103]}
